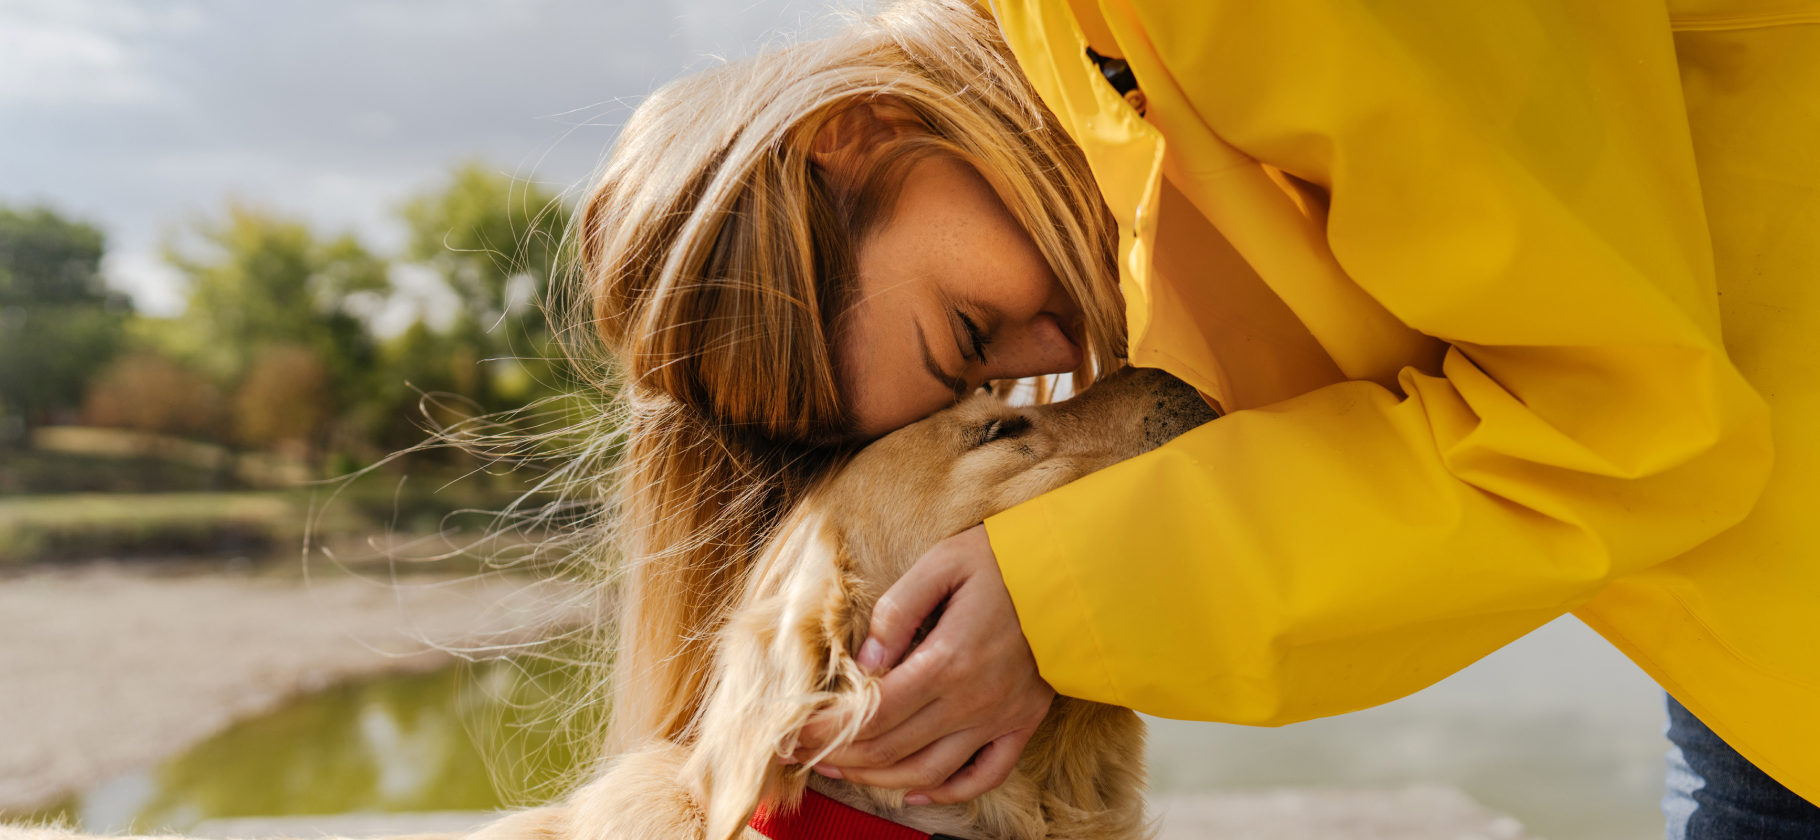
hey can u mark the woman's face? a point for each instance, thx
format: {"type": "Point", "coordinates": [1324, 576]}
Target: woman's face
{"type": "Point", "coordinates": [952, 293]}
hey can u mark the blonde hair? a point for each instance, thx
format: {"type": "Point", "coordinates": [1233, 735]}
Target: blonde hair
{"type": "Point", "coordinates": [717, 259]}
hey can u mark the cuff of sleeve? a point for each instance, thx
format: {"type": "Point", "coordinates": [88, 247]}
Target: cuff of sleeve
{"type": "Point", "coordinates": [1051, 609]}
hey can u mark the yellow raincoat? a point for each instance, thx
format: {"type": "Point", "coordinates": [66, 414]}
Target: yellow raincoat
{"type": "Point", "coordinates": [1500, 295]}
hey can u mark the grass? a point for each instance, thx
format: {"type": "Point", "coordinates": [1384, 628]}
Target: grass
{"type": "Point", "coordinates": [87, 493]}
{"type": "Point", "coordinates": [253, 524]}
{"type": "Point", "coordinates": [83, 525]}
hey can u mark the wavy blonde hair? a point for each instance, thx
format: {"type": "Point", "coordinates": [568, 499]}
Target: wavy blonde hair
{"type": "Point", "coordinates": [717, 259]}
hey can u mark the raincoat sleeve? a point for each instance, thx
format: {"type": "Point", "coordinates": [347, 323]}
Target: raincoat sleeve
{"type": "Point", "coordinates": [1514, 179]}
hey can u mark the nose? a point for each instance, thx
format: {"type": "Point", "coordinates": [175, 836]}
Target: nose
{"type": "Point", "coordinates": [1040, 348]}
{"type": "Point", "coordinates": [1157, 405]}
{"type": "Point", "coordinates": [1178, 407]}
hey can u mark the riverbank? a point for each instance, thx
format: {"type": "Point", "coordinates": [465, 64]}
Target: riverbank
{"type": "Point", "coordinates": [106, 668]}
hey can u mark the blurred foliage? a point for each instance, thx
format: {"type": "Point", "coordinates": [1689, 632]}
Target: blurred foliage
{"type": "Point", "coordinates": [58, 322]}
{"type": "Point", "coordinates": [278, 350]}
{"type": "Point", "coordinates": [285, 398]}
{"type": "Point", "coordinates": [271, 318]}
{"type": "Point", "coordinates": [149, 392]}
{"type": "Point", "coordinates": [258, 280]}
{"type": "Point", "coordinates": [496, 242]}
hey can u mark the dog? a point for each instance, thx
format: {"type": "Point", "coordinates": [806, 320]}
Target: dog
{"type": "Point", "coordinates": [786, 651]}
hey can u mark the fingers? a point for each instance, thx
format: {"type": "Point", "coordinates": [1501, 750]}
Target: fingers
{"type": "Point", "coordinates": [991, 766]}
{"type": "Point", "coordinates": [902, 609]}
{"type": "Point", "coordinates": [905, 695]}
{"type": "Point", "coordinates": [927, 768]}
{"type": "Point", "coordinates": [903, 736]}
{"type": "Point", "coordinates": [954, 716]}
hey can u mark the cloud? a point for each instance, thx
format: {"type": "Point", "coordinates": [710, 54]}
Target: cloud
{"type": "Point", "coordinates": [81, 51]}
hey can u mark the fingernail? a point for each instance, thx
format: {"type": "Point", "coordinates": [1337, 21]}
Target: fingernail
{"type": "Point", "coordinates": [871, 655]}
{"type": "Point", "coordinates": [786, 759]}
{"type": "Point", "coordinates": [916, 799]}
{"type": "Point", "coordinates": [830, 771]}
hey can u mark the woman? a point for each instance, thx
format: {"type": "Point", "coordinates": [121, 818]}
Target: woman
{"type": "Point", "coordinates": [1448, 269]}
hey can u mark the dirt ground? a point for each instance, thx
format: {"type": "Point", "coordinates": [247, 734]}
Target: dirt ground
{"type": "Point", "coordinates": [106, 668]}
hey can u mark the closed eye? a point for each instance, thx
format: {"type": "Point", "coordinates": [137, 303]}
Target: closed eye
{"type": "Point", "coordinates": [975, 336]}
{"type": "Point", "coordinates": [1000, 429]}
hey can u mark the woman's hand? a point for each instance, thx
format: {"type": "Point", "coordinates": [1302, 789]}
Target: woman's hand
{"type": "Point", "coordinates": [954, 716]}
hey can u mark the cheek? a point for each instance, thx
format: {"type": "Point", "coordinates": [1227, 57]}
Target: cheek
{"type": "Point", "coordinates": [1002, 480]}
{"type": "Point", "coordinates": [1034, 482]}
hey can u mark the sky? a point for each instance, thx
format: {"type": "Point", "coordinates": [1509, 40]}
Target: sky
{"type": "Point", "coordinates": [142, 115]}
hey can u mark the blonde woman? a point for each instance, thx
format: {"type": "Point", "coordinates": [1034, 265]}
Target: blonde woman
{"type": "Point", "coordinates": [1457, 275]}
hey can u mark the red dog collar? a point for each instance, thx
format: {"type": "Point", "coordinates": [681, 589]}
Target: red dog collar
{"type": "Point", "coordinates": [819, 818]}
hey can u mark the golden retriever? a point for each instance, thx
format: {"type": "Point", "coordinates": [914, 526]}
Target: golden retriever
{"type": "Point", "coordinates": [786, 652]}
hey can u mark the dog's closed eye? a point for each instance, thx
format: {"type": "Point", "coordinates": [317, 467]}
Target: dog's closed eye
{"type": "Point", "coordinates": [1000, 429]}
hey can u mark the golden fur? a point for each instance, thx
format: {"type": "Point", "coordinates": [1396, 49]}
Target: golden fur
{"type": "Point", "coordinates": [786, 650]}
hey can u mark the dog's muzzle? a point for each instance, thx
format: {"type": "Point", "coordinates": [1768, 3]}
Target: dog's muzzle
{"type": "Point", "coordinates": [1176, 407]}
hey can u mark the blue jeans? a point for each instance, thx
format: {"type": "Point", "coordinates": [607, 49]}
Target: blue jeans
{"type": "Point", "coordinates": [1715, 794]}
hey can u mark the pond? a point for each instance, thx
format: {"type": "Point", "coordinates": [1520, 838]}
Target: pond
{"type": "Point", "coordinates": [435, 741]}
{"type": "Point", "coordinates": [1558, 730]}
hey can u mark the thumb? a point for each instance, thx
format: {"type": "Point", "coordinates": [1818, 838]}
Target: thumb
{"type": "Point", "coordinates": [907, 604]}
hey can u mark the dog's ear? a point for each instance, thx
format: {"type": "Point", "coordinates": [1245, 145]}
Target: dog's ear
{"type": "Point", "coordinates": [781, 657]}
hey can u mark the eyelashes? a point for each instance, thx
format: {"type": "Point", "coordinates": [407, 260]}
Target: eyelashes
{"type": "Point", "coordinates": [975, 335]}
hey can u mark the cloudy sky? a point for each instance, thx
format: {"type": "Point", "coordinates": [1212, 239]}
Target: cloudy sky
{"type": "Point", "coordinates": [140, 114]}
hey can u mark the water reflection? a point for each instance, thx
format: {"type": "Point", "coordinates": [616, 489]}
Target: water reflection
{"type": "Point", "coordinates": [405, 743]}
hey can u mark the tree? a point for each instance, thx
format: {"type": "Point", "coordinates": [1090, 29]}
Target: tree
{"type": "Point", "coordinates": [496, 242]}
{"type": "Point", "coordinates": [150, 392]}
{"type": "Point", "coordinates": [284, 400]}
{"type": "Point", "coordinates": [58, 322]}
{"type": "Point", "coordinates": [271, 316]}
{"type": "Point", "coordinates": [261, 280]}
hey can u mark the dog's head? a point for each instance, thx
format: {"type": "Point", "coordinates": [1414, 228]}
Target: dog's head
{"type": "Point", "coordinates": [786, 652]}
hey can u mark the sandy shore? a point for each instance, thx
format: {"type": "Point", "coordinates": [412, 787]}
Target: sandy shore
{"type": "Point", "coordinates": [108, 668]}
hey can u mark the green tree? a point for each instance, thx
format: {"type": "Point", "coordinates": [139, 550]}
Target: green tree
{"type": "Point", "coordinates": [58, 322]}
{"type": "Point", "coordinates": [420, 364]}
{"type": "Point", "coordinates": [496, 241]}
{"type": "Point", "coordinates": [271, 315]}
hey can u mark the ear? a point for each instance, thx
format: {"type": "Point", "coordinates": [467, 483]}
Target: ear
{"type": "Point", "coordinates": [845, 146]}
{"type": "Point", "coordinates": [781, 657]}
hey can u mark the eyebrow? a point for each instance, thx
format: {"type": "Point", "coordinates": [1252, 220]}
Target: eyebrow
{"type": "Point", "coordinates": [952, 383]}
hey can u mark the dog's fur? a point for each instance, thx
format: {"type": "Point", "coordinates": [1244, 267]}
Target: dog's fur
{"type": "Point", "coordinates": [786, 651]}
